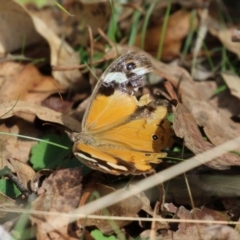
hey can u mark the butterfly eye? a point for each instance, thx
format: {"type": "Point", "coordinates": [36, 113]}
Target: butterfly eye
{"type": "Point", "coordinates": [131, 66]}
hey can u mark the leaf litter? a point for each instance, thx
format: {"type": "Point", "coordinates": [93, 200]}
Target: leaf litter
{"type": "Point", "coordinates": [39, 102]}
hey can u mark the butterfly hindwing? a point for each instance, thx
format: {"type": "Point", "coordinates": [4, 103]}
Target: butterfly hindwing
{"type": "Point", "coordinates": [117, 161]}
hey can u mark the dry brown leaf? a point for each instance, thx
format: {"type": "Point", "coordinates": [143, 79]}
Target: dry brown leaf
{"type": "Point", "coordinates": [128, 208]}
{"type": "Point", "coordinates": [24, 172]}
{"type": "Point", "coordinates": [62, 194]}
{"type": "Point", "coordinates": [19, 108]}
{"type": "Point", "coordinates": [185, 127]}
{"type": "Point", "coordinates": [5, 202]}
{"type": "Point", "coordinates": [199, 231]}
{"type": "Point", "coordinates": [25, 82]}
{"type": "Point", "coordinates": [224, 102]}
{"type": "Point", "coordinates": [79, 112]}
{"type": "Point", "coordinates": [233, 83]}
{"type": "Point", "coordinates": [16, 28]}
{"type": "Point", "coordinates": [37, 179]}
{"type": "Point", "coordinates": [224, 34]}
{"type": "Point", "coordinates": [13, 147]}
{"type": "Point", "coordinates": [219, 232]}
{"type": "Point", "coordinates": [61, 54]}
{"type": "Point", "coordinates": [21, 28]}
{"type": "Point", "coordinates": [177, 29]}
{"type": "Point", "coordinates": [58, 104]}
{"type": "Point", "coordinates": [205, 114]}
{"type": "Point", "coordinates": [95, 14]}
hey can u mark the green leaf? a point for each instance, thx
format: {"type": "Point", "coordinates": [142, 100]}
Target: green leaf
{"type": "Point", "coordinates": [97, 234]}
{"type": "Point", "coordinates": [220, 89]}
{"type": "Point", "coordinates": [44, 155]}
{"type": "Point", "coordinates": [170, 117]}
{"type": "Point", "coordinates": [8, 188]}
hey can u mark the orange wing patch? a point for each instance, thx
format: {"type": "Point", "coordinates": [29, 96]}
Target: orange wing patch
{"type": "Point", "coordinates": [108, 110]}
{"type": "Point", "coordinates": [145, 130]}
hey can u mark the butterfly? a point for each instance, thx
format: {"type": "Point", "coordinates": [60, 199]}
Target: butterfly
{"type": "Point", "coordinates": [121, 134]}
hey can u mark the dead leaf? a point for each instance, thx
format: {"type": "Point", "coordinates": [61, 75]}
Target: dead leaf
{"type": "Point", "coordinates": [177, 29]}
{"type": "Point", "coordinates": [37, 179]}
{"type": "Point", "coordinates": [62, 194]}
{"type": "Point", "coordinates": [128, 208]}
{"type": "Point", "coordinates": [199, 231]}
{"type": "Point", "coordinates": [220, 232]}
{"type": "Point", "coordinates": [224, 34]}
{"type": "Point", "coordinates": [21, 28]}
{"type": "Point", "coordinates": [61, 54]}
{"type": "Point", "coordinates": [224, 102]}
{"type": "Point", "coordinates": [84, 13]}
{"type": "Point", "coordinates": [16, 28]}
{"type": "Point", "coordinates": [233, 83]}
{"type": "Point", "coordinates": [185, 127]}
{"type": "Point", "coordinates": [87, 13]}
{"type": "Point", "coordinates": [18, 108]}
{"type": "Point", "coordinates": [24, 172]}
{"type": "Point", "coordinates": [25, 83]}
{"type": "Point", "coordinates": [14, 147]}
{"type": "Point", "coordinates": [5, 202]}
{"type": "Point", "coordinates": [58, 104]}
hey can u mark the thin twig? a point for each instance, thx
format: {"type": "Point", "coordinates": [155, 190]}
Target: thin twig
{"type": "Point", "coordinates": [104, 36]}
{"type": "Point", "coordinates": [80, 66]}
{"type": "Point", "coordinates": [18, 183]}
{"type": "Point", "coordinates": [153, 225]}
{"type": "Point", "coordinates": [91, 46]}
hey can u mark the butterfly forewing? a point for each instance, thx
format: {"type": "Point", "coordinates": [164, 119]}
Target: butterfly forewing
{"type": "Point", "coordinates": [108, 111]}
{"type": "Point", "coordinates": [127, 70]}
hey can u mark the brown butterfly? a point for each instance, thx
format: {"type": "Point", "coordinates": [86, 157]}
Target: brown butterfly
{"type": "Point", "coordinates": [120, 134]}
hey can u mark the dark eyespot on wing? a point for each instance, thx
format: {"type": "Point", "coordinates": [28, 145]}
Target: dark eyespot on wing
{"type": "Point", "coordinates": [131, 66]}
{"type": "Point", "coordinates": [154, 137]}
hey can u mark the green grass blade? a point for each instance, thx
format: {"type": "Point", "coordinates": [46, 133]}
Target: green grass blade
{"type": "Point", "coordinates": [164, 28]}
{"type": "Point", "coordinates": [145, 23]}
{"type": "Point", "coordinates": [134, 30]}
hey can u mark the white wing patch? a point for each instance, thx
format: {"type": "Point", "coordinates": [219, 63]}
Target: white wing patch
{"type": "Point", "coordinates": [85, 157]}
{"type": "Point", "coordinates": [115, 166]}
{"type": "Point", "coordinates": [118, 77]}
{"type": "Point", "coordinates": [140, 70]}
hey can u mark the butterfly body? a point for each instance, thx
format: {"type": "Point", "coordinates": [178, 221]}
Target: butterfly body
{"type": "Point", "coordinates": [120, 134]}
